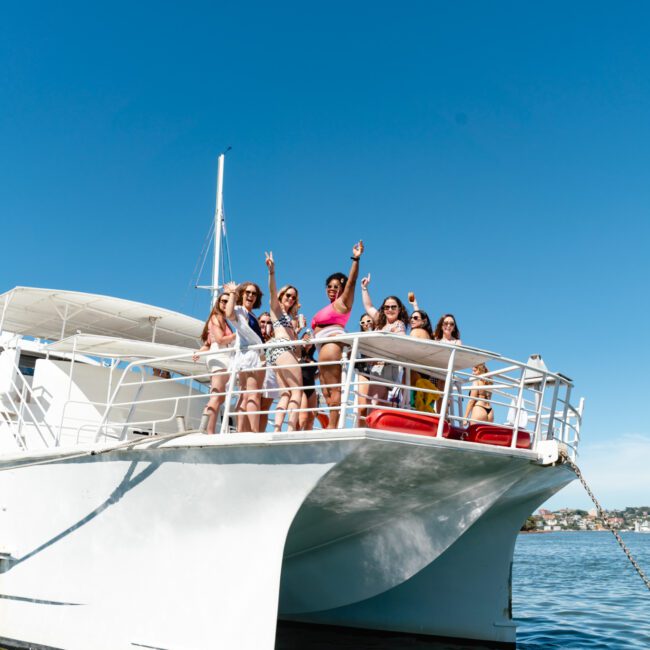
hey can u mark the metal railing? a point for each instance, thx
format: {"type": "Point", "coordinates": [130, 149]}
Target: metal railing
{"type": "Point", "coordinates": [532, 403]}
{"type": "Point", "coordinates": [21, 399]}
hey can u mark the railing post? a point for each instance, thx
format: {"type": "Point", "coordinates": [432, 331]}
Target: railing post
{"type": "Point", "coordinates": [229, 388]}
{"type": "Point", "coordinates": [445, 396]}
{"type": "Point", "coordinates": [347, 381]}
{"type": "Point", "coordinates": [551, 418]}
{"type": "Point", "coordinates": [520, 400]}
{"type": "Point", "coordinates": [538, 410]}
{"type": "Point", "coordinates": [565, 429]}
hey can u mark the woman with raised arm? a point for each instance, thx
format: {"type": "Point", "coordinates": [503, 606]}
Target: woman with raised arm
{"type": "Point", "coordinates": [392, 317]}
{"type": "Point", "coordinates": [284, 309]}
{"type": "Point", "coordinates": [217, 335]}
{"type": "Point", "coordinates": [329, 322]}
{"type": "Point", "coordinates": [242, 300]}
{"type": "Point", "coordinates": [422, 400]}
{"type": "Point", "coordinates": [447, 330]}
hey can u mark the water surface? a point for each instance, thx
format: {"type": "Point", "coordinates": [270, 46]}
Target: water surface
{"type": "Point", "coordinates": [570, 591]}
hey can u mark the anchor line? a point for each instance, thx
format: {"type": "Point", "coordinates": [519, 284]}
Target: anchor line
{"type": "Point", "coordinates": [602, 517]}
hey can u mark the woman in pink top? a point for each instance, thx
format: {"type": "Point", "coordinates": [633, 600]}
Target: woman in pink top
{"type": "Point", "coordinates": [216, 335]}
{"type": "Point", "coordinates": [329, 322]}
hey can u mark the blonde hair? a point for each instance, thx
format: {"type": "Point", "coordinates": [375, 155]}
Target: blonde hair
{"type": "Point", "coordinates": [482, 369]}
{"type": "Point", "coordinates": [293, 312]}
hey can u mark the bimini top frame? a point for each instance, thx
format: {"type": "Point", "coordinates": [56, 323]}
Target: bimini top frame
{"type": "Point", "coordinates": [52, 314]}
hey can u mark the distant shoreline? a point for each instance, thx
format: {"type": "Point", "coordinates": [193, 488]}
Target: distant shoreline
{"type": "Point", "coordinates": [544, 532]}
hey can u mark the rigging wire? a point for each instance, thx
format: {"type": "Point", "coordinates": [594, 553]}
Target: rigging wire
{"type": "Point", "coordinates": [226, 247]}
{"type": "Point", "coordinates": [198, 267]}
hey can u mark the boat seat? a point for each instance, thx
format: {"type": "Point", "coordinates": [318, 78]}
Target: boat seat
{"type": "Point", "coordinates": [490, 434]}
{"type": "Point", "coordinates": [415, 422]}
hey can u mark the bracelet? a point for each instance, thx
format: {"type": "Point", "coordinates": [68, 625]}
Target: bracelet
{"type": "Point", "coordinates": [355, 259]}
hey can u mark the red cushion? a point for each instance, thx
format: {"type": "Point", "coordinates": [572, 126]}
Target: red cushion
{"type": "Point", "coordinates": [411, 422]}
{"type": "Point", "coordinates": [490, 434]}
{"type": "Point", "coordinates": [456, 433]}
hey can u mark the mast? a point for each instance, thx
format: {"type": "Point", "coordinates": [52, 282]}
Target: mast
{"type": "Point", "coordinates": [218, 228]}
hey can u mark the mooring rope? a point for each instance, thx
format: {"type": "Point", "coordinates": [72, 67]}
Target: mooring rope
{"type": "Point", "coordinates": [602, 516]}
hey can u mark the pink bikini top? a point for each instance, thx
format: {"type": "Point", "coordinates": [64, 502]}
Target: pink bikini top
{"type": "Point", "coordinates": [329, 316]}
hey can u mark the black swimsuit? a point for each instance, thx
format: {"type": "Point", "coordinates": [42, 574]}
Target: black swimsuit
{"type": "Point", "coordinates": [308, 378]}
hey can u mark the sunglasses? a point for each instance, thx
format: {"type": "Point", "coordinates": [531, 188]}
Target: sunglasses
{"type": "Point", "coordinates": [223, 301]}
{"type": "Point", "coordinates": [390, 307]}
{"type": "Point", "coordinates": [293, 296]}
{"type": "Point", "coordinates": [415, 318]}
{"type": "Point", "coordinates": [448, 323]}
{"type": "Point", "coordinates": [250, 293]}
{"type": "Point", "coordinates": [333, 286]}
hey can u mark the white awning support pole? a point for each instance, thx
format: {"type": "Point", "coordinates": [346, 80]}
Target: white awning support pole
{"type": "Point", "coordinates": [65, 320]}
{"type": "Point", "coordinates": [445, 396]}
{"type": "Point", "coordinates": [4, 310]}
{"type": "Point", "coordinates": [218, 229]}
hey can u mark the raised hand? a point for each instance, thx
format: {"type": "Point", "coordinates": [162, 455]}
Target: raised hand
{"type": "Point", "coordinates": [365, 281]}
{"type": "Point", "coordinates": [230, 287]}
{"type": "Point", "coordinates": [269, 262]}
{"type": "Point", "coordinates": [357, 249]}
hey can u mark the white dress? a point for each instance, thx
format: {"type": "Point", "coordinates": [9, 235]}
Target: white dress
{"type": "Point", "coordinates": [246, 359]}
{"type": "Point", "coordinates": [217, 360]}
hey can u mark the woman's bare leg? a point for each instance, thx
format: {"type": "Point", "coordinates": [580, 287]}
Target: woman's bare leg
{"type": "Point", "coordinates": [306, 419]}
{"type": "Point", "coordinates": [265, 405]}
{"type": "Point", "coordinates": [218, 385]}
{"type": "Point", "coordinates": [363, 388]}
{"type": "Point", "coordinates": [291, 379]}
{"type": "Point", "coordinates": [280, 409]}
{"type": "Point", "coordinates": [250, 380]}
{"type": "Point", "coordinates": [331, 374]}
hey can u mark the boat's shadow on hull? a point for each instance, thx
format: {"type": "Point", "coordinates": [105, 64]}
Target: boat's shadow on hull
{"type": "Point", "coordinates": [307, 636]}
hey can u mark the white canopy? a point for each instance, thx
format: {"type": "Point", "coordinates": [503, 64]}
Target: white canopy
{"type": "Point", "coordinates": [412, 350]}
{"type": "Point", "coordinates": [128, 350]}
{"type": "Point", "coordinates": [50, 314]}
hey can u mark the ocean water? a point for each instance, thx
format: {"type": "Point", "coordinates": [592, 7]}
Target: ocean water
{"type": "Point", "coordinates": [570, 591]}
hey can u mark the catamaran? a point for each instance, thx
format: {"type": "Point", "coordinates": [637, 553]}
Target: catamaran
{"type": "Point", "coordinates": [123, 525]}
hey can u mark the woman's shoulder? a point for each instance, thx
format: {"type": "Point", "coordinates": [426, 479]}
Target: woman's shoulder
{"type": "Point", "coordinates": [419, 333]}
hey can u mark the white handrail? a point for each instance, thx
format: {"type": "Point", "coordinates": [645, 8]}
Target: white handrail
{"type": "Point", "coordinates": [547, 400]}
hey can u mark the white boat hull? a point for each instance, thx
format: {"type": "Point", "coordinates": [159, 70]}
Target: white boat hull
{"type": "Point", "coordinates": [204, 542]}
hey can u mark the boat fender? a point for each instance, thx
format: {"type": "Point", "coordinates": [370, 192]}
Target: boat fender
{"type": "Point", "coordinates": [548, 452]}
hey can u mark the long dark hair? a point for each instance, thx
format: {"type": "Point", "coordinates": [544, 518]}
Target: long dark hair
{"type": "Point", "coordinates": [437, 335]}
{"type": "Point", "coordinates": [426, 322]}
{"type": "Point", "coordinates": [402, 314]}
{"type": "Point", "coordinates": [216, 311]}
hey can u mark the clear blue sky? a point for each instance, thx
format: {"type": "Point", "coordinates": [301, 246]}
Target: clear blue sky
{"type": "Point", "coordinates": [494, 157]}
